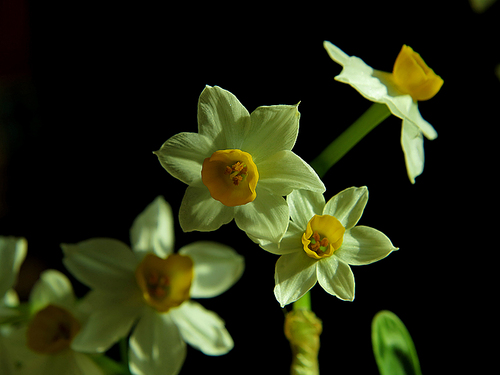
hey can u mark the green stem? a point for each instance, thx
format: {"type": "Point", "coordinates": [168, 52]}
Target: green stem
{"type": "Point", "coordinates": [303, 303]}
{"type": "Point", "coordinates": [373, 116]}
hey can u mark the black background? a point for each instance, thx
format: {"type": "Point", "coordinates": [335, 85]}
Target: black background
{"type": "Point", "coordinates": [89, 91]}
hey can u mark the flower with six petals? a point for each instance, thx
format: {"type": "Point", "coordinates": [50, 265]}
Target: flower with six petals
{"type": "Point", "coordinates": [321, 242]}
{"type": "Point", "coordinates": [152, 286]}
{"type": "Point", "coordinates": [411, 81]}
{"type": "Point", "coordinates": [238, 166]}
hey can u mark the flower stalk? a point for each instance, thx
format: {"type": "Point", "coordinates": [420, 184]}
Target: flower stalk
{"type": "Point", "coordinates": [302, 329]}
{"type": "Point", "coordinates": [373, 116]}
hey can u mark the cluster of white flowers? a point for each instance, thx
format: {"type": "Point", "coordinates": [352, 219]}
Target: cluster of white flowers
{"type": "Point", "coordinates": [239, 166]}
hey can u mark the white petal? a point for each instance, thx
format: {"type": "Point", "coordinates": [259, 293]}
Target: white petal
{"type": "Point", "coordinates": [295, 274]}
{"type": "Point", "coordinates": [284, 171]}
{"type": "Point", "coordinates": [153, 230]}
{"type": "Point", "coordinates": [101, 263]}
{"type": "Point", "coordinates": [364, 245]}
{"type": "Point", "coordinates": [217, 267]}
{"type": "Point", "coordinates": [12, 253]}
{"type": "Point", "coordinates": [199, 211]}
{"type": "Point", "coordinates": [222, 118]}
{"type": "Point", "coordinates": [182, 156]}
{"type": "Point", "coordinates": [304, 204]}
{"type": "Point", "coordinates": [53, 287]}
{"type": "Point", "coordinates": [290, 243]}
{"type": "Point", "coordinates": [348, 205]}
{"type": "Point", "coordinates": [336, 278]}
{"type": "Point", "coordinates": [272, 129]}
{"type": "Point", "coordinates": [336, 53]}
{"type": "Point", "coordinates": [86, 365]}
{"type": "Point", "coordinates": [156, 346]}
{"type": "Point", "coordinates": [111, 318]}
{"type": "Point", "coordinates": [412, 143]}
{"type": "Point", "coordinates": [202, 329]}
{"type": "Point", "coordinates": [266, 217]}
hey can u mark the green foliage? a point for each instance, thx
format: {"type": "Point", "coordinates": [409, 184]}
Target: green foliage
{"type": "Point", "coordinates": [393, 347]}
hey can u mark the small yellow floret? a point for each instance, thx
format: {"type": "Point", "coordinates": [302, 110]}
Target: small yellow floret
{"type": "Point", "coordinates": [231, 177]}
{"type": "Point", "coordinates": [412, 75]}
{"type": "Point", "coordinates": [51, 330]}
{"type": "Point", "coordinates": [165, 283]}
{"type": "Point", "coordinates": [324, 234]}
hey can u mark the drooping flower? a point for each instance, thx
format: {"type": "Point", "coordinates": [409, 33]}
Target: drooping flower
{"type": "Point", "coordinates": [152, 286]}
{"type": "Point", "coordinates": [43, 346]}
{"type": "Point", "coordinates": [238, 166]}
{"type": "Point", "coordinates": [321, 243]}
{"type": "Point", "coordinates": [411, 81]}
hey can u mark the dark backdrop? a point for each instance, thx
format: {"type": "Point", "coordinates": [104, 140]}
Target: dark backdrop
{"type": "Point", "coordinates": [102, 86]}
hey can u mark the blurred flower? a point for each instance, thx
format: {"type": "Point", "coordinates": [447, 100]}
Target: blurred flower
{"type": "Point", "coordinates": [43, 346]}
{"type": "Point", "coordinates": [12, 253]}
{"type": "Point", "coordinates": [321, 242]}
{"type": "Point", "coordinates": [152, 287]}
{"type": "Point", "coordinates": [411, 81]}
{"type": "Point", "coordinates": [238, 166]}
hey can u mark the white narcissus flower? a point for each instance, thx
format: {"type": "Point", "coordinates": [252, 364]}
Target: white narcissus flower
{"type": "Point", "coordinates": [238, 166]}
{"type": "Point", "coordinates": [321, 242]}
{"type": "Point", "coordinates": [43, 346]}
{"type": "Point", "coordinates": [411, 81]}
{"type": "Point", "coordinates": [152, 286]}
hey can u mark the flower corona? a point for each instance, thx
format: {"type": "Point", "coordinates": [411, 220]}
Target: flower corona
{"type": "Point", "coordinates": [231, 176]}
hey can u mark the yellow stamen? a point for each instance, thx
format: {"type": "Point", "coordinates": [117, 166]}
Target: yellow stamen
{"type": "Point", "coordinates": [165, 283]}
{"type": "Point", "coordinates": [412, 75]}
{"type": "Point", "coordinates": [324, 234]}
{"type": "Point", "coordinates": [231, 177]}
{"type": "Point", "coordinates": [51, 330]}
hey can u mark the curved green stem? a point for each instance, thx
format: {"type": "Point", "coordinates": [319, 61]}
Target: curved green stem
{"type": "Point", "coordinates": [373, 116]}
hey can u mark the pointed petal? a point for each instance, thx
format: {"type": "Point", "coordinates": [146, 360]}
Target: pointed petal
{"type": "Point", "coordinates": [156, 346]}
{"type": "Point", "coordinates": [304, 204]}
{"type": "Point", "coordinates": [285, 171]}
{"type": "Point", "coordinates": [111, 316]}
{"type": "Point", "coordinates": [266, 217]}
{"type": "Point", "coordinates": [101, 263]}
{"type": "Point", "coordinates": [182, 156]}
{"type": "Point", "coordinates": [364, 245]}
{"type": "Point", "coordinates": [217, 267]}
{"type": "Point", "coordinates": [199, 211]}
{"type": "Point", "coordinates": [412, 143]}
{"type": "Point", "coordinates": [290, 243]}
{"type": "Point", "coordinates": [222, 118]}
{"type": "Point", "coordinates": [348, 205]}
{"type": "Point", "coordinates": [53, 287]}
{"type": "Point", "coordinates": [336, 54]}
{"type": "Point", "coordinates": [272, 129]}
{"type": "Point", "coordinates": [202, 329]}
{"type": "Point", "coordinates": [12, 253]}
{"type": "Point", "coordinates": [153, 230]}
{"type": "Point", "coordinates": [295, 274]}
{"type": "Point", "coordinates": [85, 365]}
{"type": "Point", "coordinates": [336, 278]}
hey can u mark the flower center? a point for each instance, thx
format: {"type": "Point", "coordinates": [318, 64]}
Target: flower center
{"type": "Point", "coordinates": [231, 177]}
{"type": "Point", "coordinates": [165, 283]}
{"type": "Point", "coordinates": [51, 330]}
{"type": "Point", "coordinates": [324, 234]}
{"type": "Point", "coordinates": [412, 75]}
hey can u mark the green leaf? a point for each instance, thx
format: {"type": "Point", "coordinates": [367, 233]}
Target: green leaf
{"type": "Point", "coordinates": [392, 346]}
